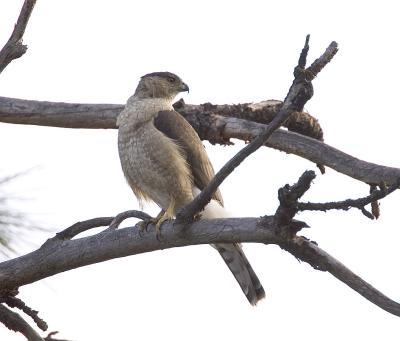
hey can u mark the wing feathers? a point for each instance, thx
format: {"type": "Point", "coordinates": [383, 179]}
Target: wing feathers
{"type": "Point", "coordinates": [173, 125]}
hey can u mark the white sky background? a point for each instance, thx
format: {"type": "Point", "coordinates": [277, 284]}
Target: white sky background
{"type": "Point", "coordinates": [228, 52]}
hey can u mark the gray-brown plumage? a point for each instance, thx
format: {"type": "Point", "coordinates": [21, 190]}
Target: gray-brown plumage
{"type": "Point", "coordinates": [163, 160]}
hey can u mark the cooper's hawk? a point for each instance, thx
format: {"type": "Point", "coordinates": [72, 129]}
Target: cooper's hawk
{"type": "Point", "coordinates": [163, 159]}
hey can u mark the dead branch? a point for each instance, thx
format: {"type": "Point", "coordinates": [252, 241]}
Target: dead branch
{"type": "Point", "coordinates": [119, 218]}
{"type": "Point", "coordinates": [214, 128]}
{"type": "Point", "coordinates": [299, 93]}
{"type": "Point", "coordinates": [63, 255]}
{"type": "Point", "coordinates": [309, 252]}
{"type": "Point", "coordinates": [112, 222]}
{"type": "Point", "coordinates": [263, 112]}
{"type": "Point", "coordinates": [104, 116]}
{"type": "Point", "coordinates": [14, 48]}
{"type": "Point", "coordinates": [124, 242]}
{"type": "Point", "coordinates": [288, 199]}
{"type": "Point", "coordinates": [15, 302]}
{"type": "Point", "coordinates": [15, 322]}
{"type": "Point", "coordinates": [49, 337]}
{"type": "Point", "coordinates": [376, 194]}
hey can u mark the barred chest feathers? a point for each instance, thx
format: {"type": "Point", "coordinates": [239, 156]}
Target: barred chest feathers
{"type": "Point", "coordinates": [153, 164]}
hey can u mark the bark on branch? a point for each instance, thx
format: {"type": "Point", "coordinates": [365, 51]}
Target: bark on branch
{"type": "Point", "coordinates": [58, 255]}
{"type": "Point", "coordinates": [15, 322]}
{"type": "Point", "coordinates": [209, 125]}
{"type": "Point", "coordinates": [14, 48]}
{"type": "Point", "coordinates": [299, 93]}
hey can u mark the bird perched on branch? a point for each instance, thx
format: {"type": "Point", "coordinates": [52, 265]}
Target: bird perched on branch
{"type": "Point", "coordinates": [163, 160]}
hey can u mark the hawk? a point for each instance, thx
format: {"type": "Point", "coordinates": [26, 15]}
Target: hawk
{"type": "Point", "coordinates": [163, 160]}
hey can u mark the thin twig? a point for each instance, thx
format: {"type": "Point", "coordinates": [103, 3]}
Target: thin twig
{"type": "Point", "coordinates": [15, 302]}
{"type": "Point", "coordinates": [49, 337]}
{"type": "Point", "coordinates": [82, 226]}
{"type": "Point", "coordinates": [14, 48]}
{"type": "Point", "coordinates": [15, 322]}
{"type": "Point", "coordinates": [112, 222]}
{"type": "Point", "coordinates": [345, 205]}
{"type": "Point", "coordinates": [119, 218]}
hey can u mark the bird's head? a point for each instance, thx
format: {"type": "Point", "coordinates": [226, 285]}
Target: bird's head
{"type": "Point", "coordinates": [160, 85]}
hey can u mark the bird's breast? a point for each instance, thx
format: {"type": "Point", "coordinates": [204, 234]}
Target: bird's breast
{"type": "Point", "coordinates": [154, 165]}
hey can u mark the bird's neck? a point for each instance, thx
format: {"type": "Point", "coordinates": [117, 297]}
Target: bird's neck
{"type": "Point", "coordinates": [140, 110]}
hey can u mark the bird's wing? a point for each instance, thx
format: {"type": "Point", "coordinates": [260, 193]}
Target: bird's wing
{"type": "Point", "coordinates": [173, 125]}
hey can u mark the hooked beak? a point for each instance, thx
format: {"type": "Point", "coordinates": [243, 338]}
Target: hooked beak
{"type": "Point", "coordinates": [184, 87]}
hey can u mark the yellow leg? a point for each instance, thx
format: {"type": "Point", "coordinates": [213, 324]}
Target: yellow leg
{"type": "Point", "coordinates": [143, 225]}
{"type": "Point", "coordinates": [157, 221]}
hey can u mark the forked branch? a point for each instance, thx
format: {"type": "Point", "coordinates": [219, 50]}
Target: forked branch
{"type": "Point", "coordinates": [299, 93]}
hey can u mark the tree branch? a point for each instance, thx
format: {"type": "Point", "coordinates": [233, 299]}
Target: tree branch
{"type": "Point", "coordinates": [209, 126]}
{"type": "Point", "coordinates": [360, 203]}
{"type": "Point", "coordinates": [299, 93]}
{"type": "Point", "coordinates": [15, 322]}
{"type": "Point", "coordinates": [309, 149]}
{"type": "Point", "coordinates": [104, 116]}
{"type": "Point", "coordinates": [62, 255]}
{"type": "Point", "coordinates": [14, 48]}
{"type": "Point", "coordinates": [309, 252]}
{"type": "Point", "coordinates": [15, 302]}
{"type": "Point", "coordinates": [119, 218]}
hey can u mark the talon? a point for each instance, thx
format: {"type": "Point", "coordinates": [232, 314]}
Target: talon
{"type": "Point", "coordinates": [157, 221]}
{"type": "Point", "coordinates": [160, 221]}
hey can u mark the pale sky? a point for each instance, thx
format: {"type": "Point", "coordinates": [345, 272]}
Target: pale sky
{"type": "Point", "coordinates": [228, 52]}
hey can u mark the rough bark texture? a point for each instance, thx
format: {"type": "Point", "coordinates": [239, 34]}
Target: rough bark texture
{"type": "Point", "coordinates": [216, 123]}
{"type": "Point", "coordinates": [15, 322]}
{"type": "Point", "coordinates": [59, 255]}
{"type": "Point", "coordinates": [210, 126]}
{"type": "Point", "coordinates": [14, 48]}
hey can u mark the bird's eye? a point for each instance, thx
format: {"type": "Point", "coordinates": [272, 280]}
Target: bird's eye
{"type": "Point", "coordinates": [171, 79]}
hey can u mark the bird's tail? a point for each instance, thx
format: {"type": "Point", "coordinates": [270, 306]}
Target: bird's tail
{"type": "Point", "coordinates": [240, 267]}
{"type": "Point", "coordinates": [235, 259]}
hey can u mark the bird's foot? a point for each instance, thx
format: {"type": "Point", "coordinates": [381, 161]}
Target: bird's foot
{"type": "Point", "coordinates": [158, 225]}
{"type": "Point", "coordinates": [157, 221]}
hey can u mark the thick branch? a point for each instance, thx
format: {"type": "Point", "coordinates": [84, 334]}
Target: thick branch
{"type": "Point", "coordinates": [309, 252]}
{"type": "Point", "coordinates": [103, 116]}
{"type": "Point", "coordinates": [262, 112]}
{"type": "Point", "coordinates": [214, 128]}
{"type": "Point", "coordinates": [14, 48]}
{"type": "Point", "coordinates": [309, 149]}
{"type": "Point", "coordinates": [56, 257]}
{"type": "Point", "coordinates": [58, 114]}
